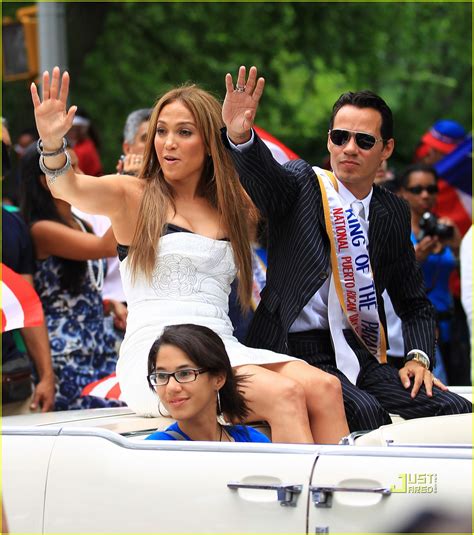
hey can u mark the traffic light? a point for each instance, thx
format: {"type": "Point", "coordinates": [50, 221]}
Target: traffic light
{"type": "Point", "coordinates": [20, 45]}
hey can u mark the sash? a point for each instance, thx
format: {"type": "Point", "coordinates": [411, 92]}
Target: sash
{"type": "Point", "coordinates": [352, 277]}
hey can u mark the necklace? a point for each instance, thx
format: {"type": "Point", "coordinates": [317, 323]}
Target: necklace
{"type": "Point", "coordinates": [97, 283]}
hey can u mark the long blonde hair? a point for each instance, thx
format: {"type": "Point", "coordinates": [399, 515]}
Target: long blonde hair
{"type": "Point", "coordinates": [219, 184]}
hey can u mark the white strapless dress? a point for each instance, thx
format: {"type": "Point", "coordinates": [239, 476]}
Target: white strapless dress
{"type": "Point", "coordinates": [190, 284]}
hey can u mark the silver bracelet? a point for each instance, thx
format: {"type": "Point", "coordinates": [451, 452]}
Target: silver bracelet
{"type": "Point", "coordinates": [39, 148]}
{"type": "Point", "coordinates": [52, 174]}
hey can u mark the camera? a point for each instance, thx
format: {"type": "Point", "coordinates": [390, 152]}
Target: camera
{"type": "Point", "coordinates": [430, 226]}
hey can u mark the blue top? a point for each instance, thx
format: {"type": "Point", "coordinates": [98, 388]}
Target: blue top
{"type": "Point", "coordinates": [436, 271]}
{"type": "Point", "coordinates": [240, 433]}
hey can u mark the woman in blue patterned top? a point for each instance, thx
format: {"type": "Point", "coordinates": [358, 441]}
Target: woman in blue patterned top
{"type": "Point", "coordinates": [190, 371]}
{"type": "Point", "coordinates": [68, 278]}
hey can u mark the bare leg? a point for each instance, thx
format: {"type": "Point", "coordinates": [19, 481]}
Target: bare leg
{"type": "Point", "coordinates": [280, 401]}
{"type": "Point", "coordinates": [323, 394]}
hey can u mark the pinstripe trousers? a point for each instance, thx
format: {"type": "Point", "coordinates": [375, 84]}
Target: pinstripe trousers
{"type": "Point", "coordinates": [378, 391]}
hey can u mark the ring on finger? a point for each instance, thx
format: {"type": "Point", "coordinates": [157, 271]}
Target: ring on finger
{"type": "Point", "coordinates": [240, 88]}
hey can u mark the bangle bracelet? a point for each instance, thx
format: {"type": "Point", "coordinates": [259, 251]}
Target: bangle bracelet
{"type": "Point", "coordinates": [52, 174]}
{"type": "Point", "coordinates": [39, 148]}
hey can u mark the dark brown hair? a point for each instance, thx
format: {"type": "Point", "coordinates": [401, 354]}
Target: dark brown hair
{"type": "Point", "coordinates": [206, 349]}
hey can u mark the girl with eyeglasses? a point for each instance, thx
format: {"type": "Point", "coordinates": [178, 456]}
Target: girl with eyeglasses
{"type": "Point", "coordinates": [190, 371]}
{"type": "Point", "coordinates": [436, 249]}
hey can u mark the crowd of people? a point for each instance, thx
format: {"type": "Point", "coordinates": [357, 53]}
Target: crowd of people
{"type": "Point", "coordinates": [342, 306]}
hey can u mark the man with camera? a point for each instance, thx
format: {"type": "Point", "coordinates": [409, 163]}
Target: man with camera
{"type": "Point", "coordinates": [436, 243]}
{"type": "Point", "coordinates": [336, 242]}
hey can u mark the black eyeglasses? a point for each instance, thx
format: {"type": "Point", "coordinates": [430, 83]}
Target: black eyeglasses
{"type": "Point", "coordinates": [186, 375]}
{"type": "Point", "coordinates": [416, 190]}
{"type": "Point", "coordinates": [364, 141]}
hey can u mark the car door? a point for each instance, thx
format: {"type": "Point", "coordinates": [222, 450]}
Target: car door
{"type": "Point", "coordinates": [102, 482]}
{"type": "Point", "coordinates": [383, 489]}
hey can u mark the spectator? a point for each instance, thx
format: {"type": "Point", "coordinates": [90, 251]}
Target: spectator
{"type": "Point", "coordinates": [189, 369]}
{"type": "Point", "coordinates": [18, 394]}
{"type": "Point", "coordinates": [25, 138]}
{"type": "Point", "coordinates": [436, 249]}
{"type": "Point", "coordinates": [68, 279]}
{"type": "Point", "coordinates": [8, 190]}
{"type": "Point", "coordinates": [466, 275]}
{"type": "Point", "coordinates": [115, 309]}
{"type": "Point", "coordinates": [84, 139]}
{"type": "Point", "coordinates": [466, 284]}
{"type": "Point", "coordinates": [134, 138]}
{"type": "Point", "coordinates": [441, 139]}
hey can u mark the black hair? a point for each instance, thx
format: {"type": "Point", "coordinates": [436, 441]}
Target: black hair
{"type": "Point", "coordinates": [29, 131]}
{"type": "Point", "coordinates": [206, 349]}
{"type": "Point", "coordinates": [37, 204]}
{"type": "Point", "coordinates": [404, 177]}
{"type": "Point", "coordinates": [366, 99]}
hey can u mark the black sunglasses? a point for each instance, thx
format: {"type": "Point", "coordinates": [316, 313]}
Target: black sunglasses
{"type": "Point", "coordinates": [364, 141]}
{"type": "Point", "coordinates": [416, 190]}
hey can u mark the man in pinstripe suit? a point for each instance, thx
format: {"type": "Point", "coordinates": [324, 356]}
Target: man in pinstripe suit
{"type": "Point", "coordinates": [293, 315]}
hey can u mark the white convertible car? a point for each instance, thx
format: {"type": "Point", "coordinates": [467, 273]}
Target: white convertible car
{"type": "Point", "coordinates": [93, 472]}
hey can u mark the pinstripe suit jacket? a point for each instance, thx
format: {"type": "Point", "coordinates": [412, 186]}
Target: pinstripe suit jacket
{"type": "Point", "coordinates": [298, 250]}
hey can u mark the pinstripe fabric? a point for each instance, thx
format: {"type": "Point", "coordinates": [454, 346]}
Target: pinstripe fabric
{"type": "Point", "coordinates": [378, 391]}
{"type": "Point", "coordinates": [298, 263]}
{"type": "Point", "coordinates": [298, 251]}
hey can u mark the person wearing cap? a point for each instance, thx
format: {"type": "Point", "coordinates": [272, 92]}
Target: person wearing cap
{"type": "Point", "coordinates": [83, 138]}
{"type": "Point", "coordinates": [441, 139]}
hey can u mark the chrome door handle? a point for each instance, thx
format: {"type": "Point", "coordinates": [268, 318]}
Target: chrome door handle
{"type": "Point", "coordinates": [322, 496]}
{"type": "Point", "coordinates": [287, 494]}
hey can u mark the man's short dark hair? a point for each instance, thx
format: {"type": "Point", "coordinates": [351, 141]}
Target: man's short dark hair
{"type": "Point", "coordinates": [366, 99]}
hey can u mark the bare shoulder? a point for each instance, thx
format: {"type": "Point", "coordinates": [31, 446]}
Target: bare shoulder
{"type": "Point", "coordinates": [125, 220]}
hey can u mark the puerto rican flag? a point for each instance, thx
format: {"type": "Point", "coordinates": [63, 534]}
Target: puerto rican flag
{"type": "Point", "coordinates": [455, 186]}
{"type": "Point", "coordinates": [107, 387]}
{"type": "Point", "coordinates": [280, 152]}
{"type": "Point", "coordinates": [21, 305]}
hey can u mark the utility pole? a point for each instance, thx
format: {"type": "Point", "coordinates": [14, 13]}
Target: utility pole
{"type": "Point", "coordinates": [52, 35]}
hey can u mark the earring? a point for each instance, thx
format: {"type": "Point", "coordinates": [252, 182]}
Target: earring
{"type": "Point", "coordinates": [159, 410]}
{"type": "Point", "coordinates": [219, 408]}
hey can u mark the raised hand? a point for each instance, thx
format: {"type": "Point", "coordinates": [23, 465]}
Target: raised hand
{"type": "Point", "coordinates": [53, 121]}
{"type": "Point", "coordinates": [240, 104]}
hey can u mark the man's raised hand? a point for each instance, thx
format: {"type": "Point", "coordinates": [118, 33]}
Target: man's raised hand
{"type": "Point", "coordinates": [241, 103]}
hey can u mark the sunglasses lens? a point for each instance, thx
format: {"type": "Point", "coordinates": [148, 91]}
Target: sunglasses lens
{"type": "Point", "coordinates": [365, 141]}
{"type": "Point", "coordinates": [339, 137]}
{"type": "Point", "coordinates": [416, 190]}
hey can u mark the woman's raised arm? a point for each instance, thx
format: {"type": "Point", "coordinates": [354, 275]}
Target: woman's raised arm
{"type": "Point", "coordinates": [53, 120]}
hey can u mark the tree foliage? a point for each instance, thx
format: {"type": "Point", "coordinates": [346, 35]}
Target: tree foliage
{"type": "Point", "coordinates": [416, 55]}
